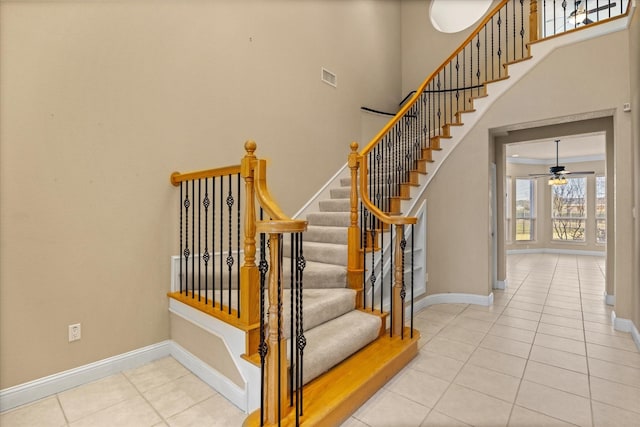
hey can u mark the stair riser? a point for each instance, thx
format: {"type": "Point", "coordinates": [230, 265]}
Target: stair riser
{"type": "Point", "coordinates": [331, 219]}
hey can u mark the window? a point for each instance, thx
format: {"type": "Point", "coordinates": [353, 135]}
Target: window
{"type": "Point", "coordinates": [525, 209]}
{"type": "Point", "coordinates": [601, 209]}
{"type": "Point", "coordinates": [453, 16]}
{"type": "Point", "coordinates": [507, 209]}
{"type": "Point", "coordinates": [568, 210]}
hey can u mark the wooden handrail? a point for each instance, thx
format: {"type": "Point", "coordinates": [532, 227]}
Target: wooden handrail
{"type": "Point", "coordinates": [424, 84]}
{"type": "Point", "coordinates": [178, 177]}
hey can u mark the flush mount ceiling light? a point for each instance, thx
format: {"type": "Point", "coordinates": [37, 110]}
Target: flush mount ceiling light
{"type": "Point", "coordinates": [451, 16]}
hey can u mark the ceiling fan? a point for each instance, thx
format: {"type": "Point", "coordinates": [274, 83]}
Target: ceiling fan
{"type": "Point", "coordinates": [557, 174]}
{"type": "Point", "coordinates": [581, 15]}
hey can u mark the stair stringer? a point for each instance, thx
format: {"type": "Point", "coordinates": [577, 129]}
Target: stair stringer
{"type": "Point", "coordinates": [539, 51]}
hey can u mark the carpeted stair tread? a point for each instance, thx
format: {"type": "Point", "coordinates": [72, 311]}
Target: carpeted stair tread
{"type": "Point", "coordinates": [341, 192]}
{"type": "Point", "coordinates": [326, 234]}
{"type": "Point", "coordinates": [332, 219]}
{"type": "Point", "coordinates": [319, 305]}
{"type": "Point", "coordinates": [335, 205]}
{"type": "Point", "coordinates": [317, 275]}
{"type": "Point", "coordinates": [334, 341]}
{"type": "Point", "coordinates": [328, 253]}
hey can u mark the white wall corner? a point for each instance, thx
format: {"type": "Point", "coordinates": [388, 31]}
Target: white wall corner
{"type": "Point", "coordinates": [626, 325]}
{"type": "Point", "coordinates": [42, 387]}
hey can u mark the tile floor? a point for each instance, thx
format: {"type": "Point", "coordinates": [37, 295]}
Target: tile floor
{"type": "Point", "coordinates": [544, 354]}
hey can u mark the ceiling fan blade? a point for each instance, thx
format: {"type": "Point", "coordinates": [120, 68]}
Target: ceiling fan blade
{"type": "Point", "coordinates": [587, 21]}
{"type": "Point", "coordinates": [536, 175]}
{"type": "Point", "coordinates": [601, 8]}
{"type": "Point", "coordinates": [578, 173]}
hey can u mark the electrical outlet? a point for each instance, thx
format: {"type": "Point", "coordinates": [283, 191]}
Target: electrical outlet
{"type": "Point", "coordinates": [75, 333]}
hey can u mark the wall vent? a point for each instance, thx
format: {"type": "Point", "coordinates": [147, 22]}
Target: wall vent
{"type": "Point", "coordinates": [329, 77]}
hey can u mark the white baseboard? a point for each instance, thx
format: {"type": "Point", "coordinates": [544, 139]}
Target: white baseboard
{"type": "Point", "coordinates": [626, 325]}
{"type": "Point", "coordinates": [609, 299]}
{"type": "Point", "coordinates": [42, 387]}
{"type": "Point", "coordinates": [556, 251]}
{"type": "Point", "coordinates": [500, 284]}
{"type": "Point", "coordinates": [453, 298]}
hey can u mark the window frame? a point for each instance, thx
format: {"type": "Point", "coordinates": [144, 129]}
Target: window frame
{"type": "Point", "coordinates": [533, 190]}
{"type": "Point", "coordinates": [602, 217]}
{"type": "Point", "coordinates": [582, 219]}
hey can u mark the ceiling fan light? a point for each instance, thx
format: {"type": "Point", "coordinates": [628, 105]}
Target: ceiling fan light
{"type": "Point", "coordinates": [555, 180]}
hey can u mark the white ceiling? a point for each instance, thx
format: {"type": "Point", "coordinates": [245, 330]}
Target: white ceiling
{"type": "Point", "coordinates": [574, 147]}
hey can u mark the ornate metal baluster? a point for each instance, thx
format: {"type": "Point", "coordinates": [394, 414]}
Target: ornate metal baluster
{"type": "Point", "coordinates": [230, 260]}
{"type": "Point", "coordinates": [412, 276]}
{"type": "Point", "coordinates": [206, 203]}
{"type": "Point", "coordinates": [403, 290]}
{"type": "Point", "coordinates": [478, 57]}
{"type": "Point", "coordinates": [213, 243]}
{"type": "Point", "coordinates": [390, 281]}
{"type": "Point", "coordinates": [492, 50]}
{"type": "Point", "coordinates": [262, 348]}
{"type": "Point", "coordinates": [193, 240]}
{"type": "Point", "coordinates": [221, 243]}
{"type": "Point", "coordinates": [181, 254]}
{"type": "Point", "coordinates": [522, 27]}
{"type": "Point", "coordinates": [499, 44]}
{"type": "Point", "coordinates": [506, 32]}
{"type": "Point", "coordinates": [458, 82]}
{"type": "Point", "coordinates": [239, 221]}
{"type": "Point", "coordinates": [301, 341]}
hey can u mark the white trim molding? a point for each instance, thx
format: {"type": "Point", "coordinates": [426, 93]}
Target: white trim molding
{"type": "Point", "coordinates": [626, 325]}
{"type": "Point", "coordinates": [609, 299]}
{"type": "Point", "coordinates": [42, 387]}
{"type": "Point", "coordinates": [500, 284]}
{"type": "Point", "coordinates": [453, 298]}
{"type": "Point", "coordinates": [555, 251]}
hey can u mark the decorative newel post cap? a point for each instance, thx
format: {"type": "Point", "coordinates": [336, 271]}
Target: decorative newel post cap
{"type": "Point", "coordinates": [250, 147]}
{"type": "Point", "coordinates": [354, 146]}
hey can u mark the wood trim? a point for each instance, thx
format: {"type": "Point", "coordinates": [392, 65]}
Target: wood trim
{"type": "Point", "coordinates": [331, 398]}
{"type": "Point", "coordinates": [178, 177]}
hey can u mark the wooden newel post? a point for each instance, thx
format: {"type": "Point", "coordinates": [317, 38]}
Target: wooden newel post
{"type": "Point", "coordinates": [354, 261]}
{"type": "Point", "coordinates": [276, 404]}
{"type": "Point", "coordinates": [398, 282]}
{"type": "Point", "coordinates": [533, 21]}
{"type": "Point", "coordinates": [249, 274]}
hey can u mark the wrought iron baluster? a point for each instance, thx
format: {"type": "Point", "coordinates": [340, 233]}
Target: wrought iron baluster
{"type": "Point", "coordinates": [522, 28]}
{"type": "Point", "coordinates": [206, 203]}
{"type": "Point", "coordinates": [444, 89]}
{"type": "Point", "coordinates": [262, 348]}
{"type": "Point", "coordinates": [301, 341]}
{"type": "Point", "coordinates": [564, 14]}
{"type": "Point", "coordinates": [230, 260]}
{"type": "Point", "coordinates": [478, 58]}
{"type": "Point", "coordinates": [239, 221]}
{"type": "Point", "coordinates": [458, 81]}
{"type": "Point", "coordinates": [221, 243]}
{"type": "Point", "coordinates": [181, 222]}
{"type": "Point", "coordinates": [213, 244]}
{"type": "Point", "coordinates": [506, 32]}
{"type": "Point", "coordinates": [390, 281]}
{"type": "Point", "coordinates": [293, 377]}
{"type": "Point", "coordinates": [193, 240]}
{"type": "Point", "coordinates": [403, 290]}
{"type": "Point", "coordinates": [499, 22]}
{"type": "Point", "coordinates": [486, 73]}
{"type": "Point", "coordinates": [513, 13]}
{"type": "Point", "coordinates": [492, 50]}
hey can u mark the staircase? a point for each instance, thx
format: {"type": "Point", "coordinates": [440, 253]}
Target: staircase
{"type": "Point", "coordinates": [352, 350]}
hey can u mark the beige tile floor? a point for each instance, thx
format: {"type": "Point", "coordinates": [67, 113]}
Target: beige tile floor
{"type": "Point", "coordinates": [544, 354]}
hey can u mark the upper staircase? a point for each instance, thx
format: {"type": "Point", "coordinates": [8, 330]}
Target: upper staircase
{"type": "Point", "coordinates": [324, 301]}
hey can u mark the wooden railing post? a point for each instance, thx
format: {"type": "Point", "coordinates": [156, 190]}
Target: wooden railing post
{"type": "Point", "coordinates": [533, 21]}
{"type": "Point", "coordinates": [398, 283]}
{"type": "Point", "coordinates": [276, 405]}
{"type": "Point", "coordinates": [249, 274]}
{"type": "Point", "coordinates": [354, 261]}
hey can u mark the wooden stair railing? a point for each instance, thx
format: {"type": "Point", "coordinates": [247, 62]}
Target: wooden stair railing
{"type": "Point", "coordinates": [265, 340]}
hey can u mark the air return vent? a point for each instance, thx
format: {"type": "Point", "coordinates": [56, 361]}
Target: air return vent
{"type": "Point", "coordinates": [329, 77]}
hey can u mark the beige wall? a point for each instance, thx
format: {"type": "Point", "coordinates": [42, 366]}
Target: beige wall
{"type": "Point", "coordinates": [458, 217]}
{"type": "Point", "coordinates": [424, 48]}
{"type": "Point", "coordinates": [102, 100]}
